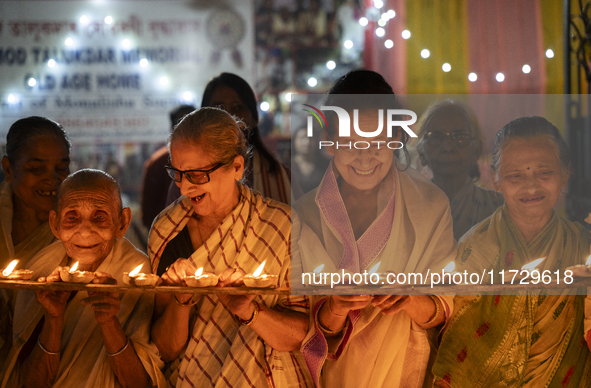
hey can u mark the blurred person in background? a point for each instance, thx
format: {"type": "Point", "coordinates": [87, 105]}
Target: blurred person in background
{"type": "Point", "coordinates": [450, 145]}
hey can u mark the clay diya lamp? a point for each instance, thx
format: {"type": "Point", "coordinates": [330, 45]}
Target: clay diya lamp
{"type": "Point", "coordinates": [16, 274]}
{"type": "Point", "coordinates": [74, 276]}
{"type": "Point", "coordinates": [529, 268]}
{"type": "Point", "coordinates": [581, 270]}
{"type": "Point", "coordinates": [135, 278]}
{"type": "Point", "coordinates": [260, 280]}
{"type": "Point", "coordinates": [201, 279]}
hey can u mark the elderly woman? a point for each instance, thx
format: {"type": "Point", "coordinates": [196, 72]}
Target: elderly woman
{"type": "Point", "coordinates": [450, 144]}
{"type": "Point", "coordinates": [369, 208]}
{"type": "Point", "coordinates": [265, 175]}
{"type": "Point", "coordinates": [530, 339]}
{"type": "Point", "coordinates": [69, 339]}
{"type": "Point", "coordinates": [36, 162]}
{"type": "Point", "coordinates": [221, 225]}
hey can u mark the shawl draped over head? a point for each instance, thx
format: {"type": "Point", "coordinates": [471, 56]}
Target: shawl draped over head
{"type": "Point", "coordinates": [412, 233]}
{"type": "Point", "coordinates": [532, 339]}
{"type": "Point", "coordinates": [23, 252]}
{"type": "Point", "coordinates": [84, 361]}
{"type": "Point", "coordinates": [471, 205]}
{"type": "Point", "coordinates": [221, 352]}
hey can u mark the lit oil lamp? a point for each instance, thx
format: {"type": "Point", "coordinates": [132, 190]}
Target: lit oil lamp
{"type": "Point", "coordinates": [382, 275]}
{"type": "Point", "coordinates": [581, 270]}
{"type": "Point", "coordinates": [19, 274]}
{"type": "Point", "coordinates": [449, 269]}
{"type": "Point", "coordinates": [135, 278]}
{"type": "Point", "coordinates": [529, 268]}
{"type": "Point", "coordinates": [260, 280]}
{"type": "Point", "coordinates": [74, 276]}
{"type": "Point", "coordinates": [318, 269]}
{"type": "Point", "coordinates": [202, 279]}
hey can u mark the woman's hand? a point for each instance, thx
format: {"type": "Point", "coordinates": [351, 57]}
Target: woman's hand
{"type": "Point", "coordinates": [106, 305]}
{"type": "Point", "coordinates": [340, 305]}
{"type": "Point", "coordinates": [239, 305]}
{"type": "Point", "coordinates": [54, 302]}
{"type": "Point", "coordinates": [420, 308]}
{"type": "Point", "coordinates": [175, 276]}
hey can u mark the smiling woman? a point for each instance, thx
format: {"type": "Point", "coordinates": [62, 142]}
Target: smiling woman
{"type": "Point", "coordinates": [531, 339]}
{"type": "Point", "coordinates": [36, 162]}
{"type": "Point", "coordinates": [227, 229]}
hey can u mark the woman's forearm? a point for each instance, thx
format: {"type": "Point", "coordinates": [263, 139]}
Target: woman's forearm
{"type": "Point", "coordinates": [282, 330]}
{"type": "Point", "coordinates": [123, 359]}
{"type": "Point", "coordinates": [41, 366]}
{"type": "Point", "coordinates": [170, 330]}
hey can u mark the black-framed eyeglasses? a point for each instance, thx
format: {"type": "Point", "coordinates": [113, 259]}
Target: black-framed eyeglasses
{"type": "Point", "coordinates": [460, 138]}
{"type": "Point", "coordinates": [197, 177]}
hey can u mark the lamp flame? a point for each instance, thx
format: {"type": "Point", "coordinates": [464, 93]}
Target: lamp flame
{"type": "Point", "coordinates": [199, 272]}
{"type": "Point", "coordinates": [10, 267]}
{"type": "Point", "coordinates": [374, 269]}
{"type": "Point", "coordinates": [321, 267]}
{"type": "Point", "coordinates": [259, 270]}
{"type": "Point", "coordinates": [74, 268]}
{"type": "Point", "coordinates": [136, 271]}
{"type": "Point", "coordinates": [531, 266]}
{"type": "Point", "coordinates": [450, 267]}
{"type": "Point", "coordinates": [588, 262]}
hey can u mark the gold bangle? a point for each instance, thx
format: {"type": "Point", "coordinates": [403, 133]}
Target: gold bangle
{"type": "Point", "coordinates": [330, 308]}
{"type": "Point", "coordinates": [188, 303]}
{"type": "Point", "coordinates": [121, 351]}
{"type": "Point", "coordinates": [436, 311]}
{"type": "Point", "coordinates": [45, 350]}
{"type": "Point", "coordinates": [255, 315]}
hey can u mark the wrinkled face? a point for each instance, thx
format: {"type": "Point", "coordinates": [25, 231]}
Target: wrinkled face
{"type": "Point", "coordinates": [449, 158]}
{"type": "Point", "coordinates": [218, 196]}
{"type": "Point", "coordinates": [36, 175]}
{"type": "Point", "coordinates": [363, 169]}
{"type": "Point", "coordinates": [88, 223]}
{"type": "Point", "coordinates": [229, 100]}
{"type": "Point", "coordinates": [530, 177]}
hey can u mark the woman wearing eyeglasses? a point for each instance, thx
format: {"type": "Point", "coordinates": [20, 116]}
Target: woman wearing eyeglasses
{"type": "Point", "coordinates": [450, 144]}
{"type": "Point", "coordinates": [224, 227]}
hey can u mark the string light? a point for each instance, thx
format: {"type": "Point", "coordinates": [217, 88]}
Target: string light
{"type": "Point", "coordinates": [69, 42]}
{"type": "Point", "coordinates": [348, 44]}
{"type": "Point", "coordinates": [385, 16]}
{"type": "Point", "coordinates": [163, 81]}
{"type": "Point", "coordinates": [526, 69]}
{"type": "Point", "coordinates": [549, 53]}
{"type": "Point", "coordinates": [143, 62]}
{"type": "Point", "coordinates": [363, 21]}
{"type": "Point", "coordinates": [405, 34]}
{"type": "Point", "coordinates": [188, 96]}
{"type": "Point", "coordinates": [389, 44]}
{"type": "Point", "coordinates": [32, 82]}
{"type": "Point", "coordinates": [265, 106]}
{"type": "Point", "coordinates": [83, 19]}
{"type": "Point", "coordinates": [425, 53]}
{"type": "Point", "coordinates": [380, 32]}
{"type": "Point", "coordinates": [330, 65]}
{"type": "Point", "coordinates": [378, 4]}
{"type": "Point", "coordinates": [51, 63]}
{"type": "Point", "coordinates": [288, 97]}
{"type": "Point", "coordinates": [109, 20]}
{"type": "Point", "coordinates": [446, 67]}
{"type": "Point", "coordinates": [472, 77]}
{"type": "Point", "coordinates": [382, 23]}
{"type": "Point", "coordinates": [126, 44]}
{"type": "Point", "coordinates": [312, 82]}
{"type": "Point", "coordinates": [12, 99]}
{"type": "Point", "coordinates": [500, 77]}
{"type": "Point", "coordinates": [391, 14]}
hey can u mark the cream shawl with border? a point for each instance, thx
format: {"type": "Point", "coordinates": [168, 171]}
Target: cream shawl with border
{"type": "Point", "coordinates": [84, 362]}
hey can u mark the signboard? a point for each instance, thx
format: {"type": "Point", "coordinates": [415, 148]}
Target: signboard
{"type": "Point", "coordinates": [110, 72]}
